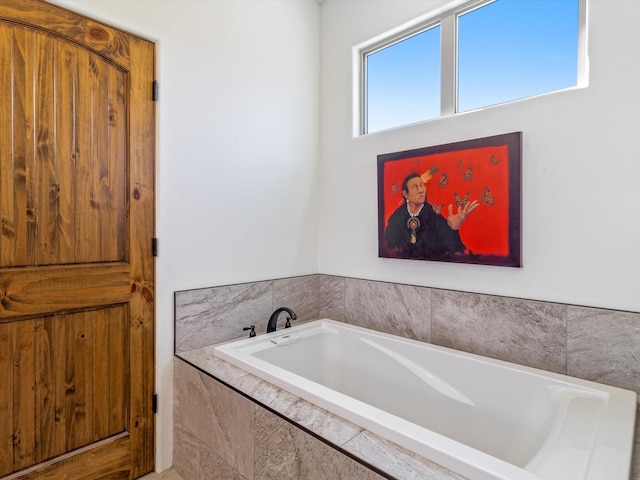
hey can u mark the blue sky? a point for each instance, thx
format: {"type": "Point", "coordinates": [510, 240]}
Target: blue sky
{"type": "Point", "coordinates": [508, 49]}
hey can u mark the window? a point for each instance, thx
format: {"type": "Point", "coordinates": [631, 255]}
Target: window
{"type": "Point", "coordinates": [480, 55]}
{"type": "Point", "coordinates": [403, 81]}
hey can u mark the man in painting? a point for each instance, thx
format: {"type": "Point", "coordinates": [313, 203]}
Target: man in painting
{"type": "Point", "coordinates": [414, 230]}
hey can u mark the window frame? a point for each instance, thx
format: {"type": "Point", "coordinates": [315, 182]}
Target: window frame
{"type": "Point", "coordinates": [447, 20]}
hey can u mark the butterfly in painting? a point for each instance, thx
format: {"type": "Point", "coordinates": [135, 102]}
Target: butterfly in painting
{"type": "Point", "coordinates": [444, 180]}
{"type": "Point", "coordinates": [460, 201]}
{"type": "Point", "coordinates": [487, 197]}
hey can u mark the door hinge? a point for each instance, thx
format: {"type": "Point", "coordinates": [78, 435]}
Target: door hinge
{"type": "Point", "coordinates": [154, 246]}
{"type": "Point", "coordinates": [155, 91]}
{"type": "Point", "coordinates": [154, 403]}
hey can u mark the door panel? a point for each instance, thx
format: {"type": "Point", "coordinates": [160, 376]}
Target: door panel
{"type": "Point", "coordinates": [66, 123]}
{"type": "Point", "coordinates": [67, 379]}
{"type": "Point", "coordinates": [76, 267]}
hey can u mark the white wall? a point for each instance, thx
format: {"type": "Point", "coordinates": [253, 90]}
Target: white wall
{"type": "Point", "coordinates": [581, 166]}
{"type": "Point", "coordinates": [237, 151]}
{"type": "Point", "coordinates": [239, 184]}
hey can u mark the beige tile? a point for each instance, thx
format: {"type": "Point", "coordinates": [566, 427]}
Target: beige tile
{"type": "Point", "coordinates": [284, 452]}
{"type": "Point", "coordinates": [604, 346]}
{"type": "Point", "coordinates": [396, 461]}
{"type": "Point", "coordinates": [221, 419]}
{"type": "Point", "coordinates": [186, 452]}
{"type": "Point", "coordinates": [192, 460]}
{"type": "Point", "coordinates": [402, 310]}
{"type": "Point", "coordinates": [520, 331]}
{"type": "Point", "coordinates": [218, 314]}
{"type": "Point", "coordinates": [332, 297]}
{"type": "Point", "coordinates": [298, 293]}
{"type": "Point", "coordinates": [212, 467]}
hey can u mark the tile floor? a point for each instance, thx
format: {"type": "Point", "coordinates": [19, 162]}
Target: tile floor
{"type": "Point", "coordinates": [166, 475]}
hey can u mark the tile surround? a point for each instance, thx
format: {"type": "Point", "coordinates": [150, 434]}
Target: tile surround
{"type": "Point", "coordinates": [404, 465]}
{"type": "Point", "coordinates": [300, 293]}
{"type": "Point", "coordinates": [186, 452]}
{"type": "Point", "coordinates": [519, 331]}
{"type": "Point", "coordinates": [604, 346]}
{"type": "Point", "coordinates": [591, 343]}
{"type": "Point", "coordinates": [284, 451]}
{"type": "Point", "coordinates": [274, 447]}
{"type": "Point", "coordinates": [194, 460]}
{"type": "Point", "coordinates": [213, 315]}
{"type": "Point", "coordinates": [302, 442]}
{"type": "Point", "coordinates": [402, 310]}
{"type": "Point", "coordinates": [331, 297]}
{"type": "Point", "coordinates": [217, 314]}
{"type": "Point", "coordinates": [210, 411]}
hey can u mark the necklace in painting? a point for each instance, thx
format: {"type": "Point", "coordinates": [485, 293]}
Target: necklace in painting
{"type": "Point", "coordinates": [413, 223]}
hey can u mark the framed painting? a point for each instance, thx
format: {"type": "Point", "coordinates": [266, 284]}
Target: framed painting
{"type": "Point", "coordinates": [458, 202]}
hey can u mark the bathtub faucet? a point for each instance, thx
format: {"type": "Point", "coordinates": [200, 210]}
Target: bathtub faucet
{"type": "Point", "coordinates": [271, 327]}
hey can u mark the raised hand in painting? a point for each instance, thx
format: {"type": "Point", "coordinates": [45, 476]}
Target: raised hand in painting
{"type": "Point", "coordinates": [456, 220]}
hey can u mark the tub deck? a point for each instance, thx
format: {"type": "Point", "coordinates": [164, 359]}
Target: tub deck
{"type": "Point", "coordinates": [387, 458]}
{"type": "Point", "coordinates": [562, 430]}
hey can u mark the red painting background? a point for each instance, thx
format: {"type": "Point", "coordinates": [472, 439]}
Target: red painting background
{"type": "Point", "coordinates": [467, 171]}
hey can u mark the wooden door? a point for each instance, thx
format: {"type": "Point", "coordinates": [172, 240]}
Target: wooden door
{"type": "Point", "coordinates": [76, 228]}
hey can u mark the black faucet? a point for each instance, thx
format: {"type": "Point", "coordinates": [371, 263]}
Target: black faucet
{"type": "Point", "coordinates": [271, 326]}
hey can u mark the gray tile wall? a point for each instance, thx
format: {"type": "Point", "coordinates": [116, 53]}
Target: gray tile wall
{"type": "Point", "coordinates": [520, 331]}
{"type": "Point", "coordinates": [212, 315]}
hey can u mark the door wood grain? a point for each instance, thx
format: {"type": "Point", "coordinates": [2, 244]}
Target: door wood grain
{"type": "Point", "coordinates": [77, 204]}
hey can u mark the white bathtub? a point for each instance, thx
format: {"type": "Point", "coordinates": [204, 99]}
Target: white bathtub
{"type": "Point", "coordinates": [481, 418]}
